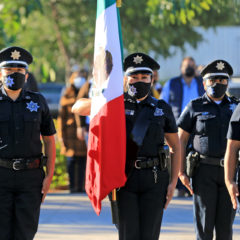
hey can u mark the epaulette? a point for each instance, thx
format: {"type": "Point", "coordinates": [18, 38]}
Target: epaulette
{"type": "Point", "coordinates": [198, 99]}
{"type": "Point", "coordinates": [234, 99]}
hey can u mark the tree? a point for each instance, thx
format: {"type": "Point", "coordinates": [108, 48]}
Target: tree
{"type": "Point", "coordinates": [60, 33]}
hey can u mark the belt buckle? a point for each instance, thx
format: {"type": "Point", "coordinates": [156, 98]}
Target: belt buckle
{"type": "Point", "coordinates": [135, 165]}
{"type": "Point", "coordinates": [15, 163]}
{"type": "Point", "coordinates": [222, 162]}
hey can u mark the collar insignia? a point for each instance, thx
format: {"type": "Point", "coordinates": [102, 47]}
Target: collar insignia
{"type": "Point", "coordinates": [138, 59]}
{"type": "Point", "coordinates": [9, 81]}
{"type": "Point", "coordinates": [32, 106]}
{"type": "Point", "coordinates": [15, 55]}
{"type": "Point", "coordinates": [158, 112]}
{"type": "Point", "coordinates": [220, 66]}
{"type": "Point", "coordinates": [204, 113]}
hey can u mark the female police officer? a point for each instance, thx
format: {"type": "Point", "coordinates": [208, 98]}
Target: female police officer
{"type": "Point", "coordinates": [147, 191]}
{"type": "Point", "coordinates": [207, 119]}
{"type": "Point", "coordinates": [24, 115]}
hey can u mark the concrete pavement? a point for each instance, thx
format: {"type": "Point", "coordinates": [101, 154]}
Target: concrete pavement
{"type": "Point", "coordinates": [71, 217]}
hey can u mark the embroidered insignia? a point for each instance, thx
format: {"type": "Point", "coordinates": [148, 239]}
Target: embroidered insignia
{"type": "Point", "coordinates": [129, 112]}
{"type": "Point", "coordinates": [204, 113]}
{"type": "Point", "coordinates": [232, 106]}
{"type": "Point", "coordinates": [138, 59]}
{"type": "Point", "coordinates": [32, 106]}
{"type": "Point", "coordinates": [9, 81]}
{"type": "Point", "coordinates": [220, 66]}
{"type": "Point", "coordinates": [15, 55]}
{"type": "Point", "coordinates": [158, 112]}
{"type": "Point", "coordinates": [132, 91]}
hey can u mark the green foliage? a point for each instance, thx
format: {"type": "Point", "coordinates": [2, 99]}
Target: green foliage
{"type": "Point", "coordinates": [60, 177]}
{"type": "Point", "coordinates": [60, 33]}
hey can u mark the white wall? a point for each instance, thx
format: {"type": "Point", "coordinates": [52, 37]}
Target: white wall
{"type": "Point", "coordinates": [218, 43]}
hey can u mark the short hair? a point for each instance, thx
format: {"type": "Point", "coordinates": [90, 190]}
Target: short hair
{"type": "Point", "coordinates": [188, 58]}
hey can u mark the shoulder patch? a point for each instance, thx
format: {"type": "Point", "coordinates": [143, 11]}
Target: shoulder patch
{"type": "Point", "coordinates": [158, 112]}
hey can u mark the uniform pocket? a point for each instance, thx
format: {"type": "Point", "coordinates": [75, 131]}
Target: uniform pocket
{"type": "Point", "coordinates": [4, 120]}
{"type": "Point", "coordinates": [32, 127]}
{"type": "Point", "coordinates": [205, 123]}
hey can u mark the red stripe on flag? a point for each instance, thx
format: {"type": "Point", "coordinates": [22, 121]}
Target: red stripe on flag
{"type": "Point", "coordinates": [106, 152]}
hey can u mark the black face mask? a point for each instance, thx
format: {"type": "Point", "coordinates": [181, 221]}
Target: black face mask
{"type": "Point", "coordinates": [190, 71]}
{"type": "Point", "coordinates": [217, 90]}
{"type": "Point", "coordinates": [14, 81]}
{"type": "Point", "coordinates": [139, 90]}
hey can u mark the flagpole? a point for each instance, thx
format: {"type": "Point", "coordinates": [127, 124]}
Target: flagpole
{"type": "Point", "coordinates": [114, 207]}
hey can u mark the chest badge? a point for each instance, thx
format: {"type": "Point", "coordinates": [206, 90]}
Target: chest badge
{"type": "Point", "coordinates": [158, 112]}
{"type": "Point", "coordinates": [232, 106]}
{"type": "Point", "coordinates": [32, 106]}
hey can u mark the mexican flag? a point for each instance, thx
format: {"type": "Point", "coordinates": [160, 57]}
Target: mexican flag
{"type": "Point", "coordinates": [107, 134]}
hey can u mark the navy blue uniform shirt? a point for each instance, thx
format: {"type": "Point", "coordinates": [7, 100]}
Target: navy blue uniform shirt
{"type": "Point", "coordinates": [208, 122]}
{"type": "Point", "coordinates": [234, 125]}
{"type": "Point", "coordinates": [161, 121]}
{"type": "Point", "coordinates": [21, 123]}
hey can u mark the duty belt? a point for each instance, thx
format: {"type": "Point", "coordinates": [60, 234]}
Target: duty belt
{"type": "Point", "coordinates": [212, 160]}
{"type": "Point", "coordinates": [143, 163]}
{"type": "Point", "coordinates": [23, 163]}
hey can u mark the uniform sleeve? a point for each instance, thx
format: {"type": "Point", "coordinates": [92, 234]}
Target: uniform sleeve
{"type": "Point", "coordinates": [165, 92]}
{"type": "Point", "coordinates": [185, 121]}
{"type": "Point", "coordinates": [170, 123]}
{"type": "Point", "coordinates": [234, 125]}
{"type": "Point", "coordinates": [47, 127]}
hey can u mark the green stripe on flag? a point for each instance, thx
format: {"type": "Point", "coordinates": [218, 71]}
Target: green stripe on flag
{"type": "Point", "coordinates": [103, 4]}
{"type": "Point", "coordinates": [120, 34]}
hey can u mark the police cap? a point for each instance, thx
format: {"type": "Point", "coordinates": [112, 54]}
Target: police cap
{"type": "Point", "coordinates": [217, 68]}
{"type": "Point", "coordinates": [15, 57]}
{"type": "Point", "coordinates": [139, 62]}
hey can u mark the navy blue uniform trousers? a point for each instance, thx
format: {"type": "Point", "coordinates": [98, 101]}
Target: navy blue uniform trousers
{"type": "Point", "coordinates": [20, 200]}
{"type": "Point", "coordinates": [212, 204]}
{"type": "Point", "coordinates": [141, 202]}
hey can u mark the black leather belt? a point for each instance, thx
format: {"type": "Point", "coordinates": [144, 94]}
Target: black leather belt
{"type": "Point", "coordinates": [212, 160]}
{"type": "Point", "coordinates": [22, 163]}
{"type": "Point", "coordinates": [143, 163]}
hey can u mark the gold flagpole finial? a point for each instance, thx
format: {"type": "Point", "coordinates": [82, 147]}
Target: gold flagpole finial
{"type": "Point", "coordinates": [119, 3]}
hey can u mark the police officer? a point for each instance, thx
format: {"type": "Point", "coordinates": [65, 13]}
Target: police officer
{"type": "Point", "coordinates": [207, 119]}
{"type": "Point", "coordinates": [24, 116]}
{"type": "Point", "coordinates": [148, 121]}
{"type": "Point", "coordinates": [147, 191]}
{"type": "Point", "coordinates": [231, 157]}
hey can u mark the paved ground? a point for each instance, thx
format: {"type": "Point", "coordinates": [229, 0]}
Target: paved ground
{"type": "Point", "coordinates": [70, 216]}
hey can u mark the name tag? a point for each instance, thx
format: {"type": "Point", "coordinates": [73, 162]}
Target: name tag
{"type": "Point", "coordinates": [129, 112]}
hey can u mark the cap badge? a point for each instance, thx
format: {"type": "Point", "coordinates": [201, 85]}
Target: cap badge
{"type": "Point", "coordinates": [32, 106]}
{"type": "Point", "coordinates": [220, 66]}
{"type": "Point", "coordinates": [9, 81]}
{"type": "Point", "coordinates": [15, 55]}
{"type": "Point", "coordinates": [138, 59]}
